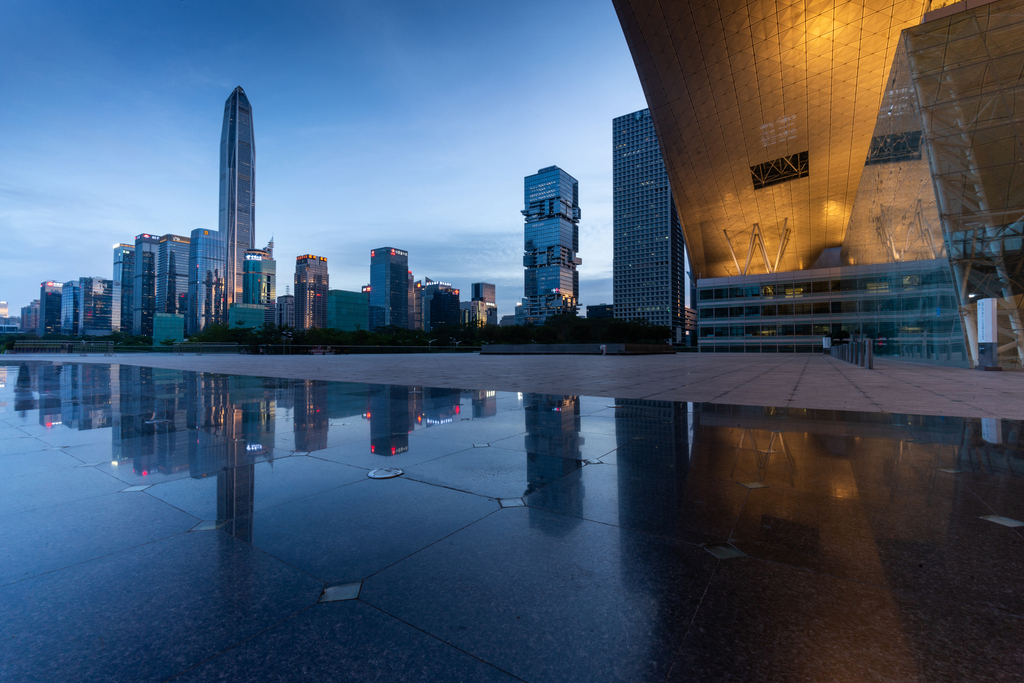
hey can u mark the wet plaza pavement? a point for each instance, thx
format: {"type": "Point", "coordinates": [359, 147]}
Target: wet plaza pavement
{"type": "Point", "coordinates": [159, 523]}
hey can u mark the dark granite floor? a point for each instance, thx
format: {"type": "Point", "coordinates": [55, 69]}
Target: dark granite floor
{"type": "Point", "coordinates": [159, 524]}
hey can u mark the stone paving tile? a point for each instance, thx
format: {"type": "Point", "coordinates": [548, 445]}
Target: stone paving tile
{"type": "Point", "coordinates": [789, 380]}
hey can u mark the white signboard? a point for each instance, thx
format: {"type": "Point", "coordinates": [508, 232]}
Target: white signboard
{"type": "Point", "coordinates": [987, 321]}
{"type": "Point", "coordinates": [826, 342]}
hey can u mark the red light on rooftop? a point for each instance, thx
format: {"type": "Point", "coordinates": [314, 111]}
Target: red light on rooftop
{"type": "Point", "coordinates": [392, 450]}
{"type": "Point", "coordinates": [392, 252]}
{"type": "Point", "coordinates": [373, 253]}
{"type": "Point", "coordinates": [373, 449]}
{"type": "Point", "coordinates": [456, 410]}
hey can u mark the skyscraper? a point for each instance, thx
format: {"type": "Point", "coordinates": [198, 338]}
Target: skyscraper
{"type": "Point", "coordinates": [484, 291]}
{"type": "Point", "coordinates": [237, 188]}
{"type": "Point", "coordinates": [30, 316]}
{"type": "Point", "coordinates": [172, 275]}
{"type": "Point", "coordinates": [206, 281]}
{"type": "Point", "coordinates": [124, 277]}
{"type": "Point", "coordinates": [552, 238]}
{"type": "Point", "coordinates": [99, 306]}
{"type": "Point", "coordinates": [284, 311]}
{"type": "Point", "coordinates": [438, 303]}
{"type": "Point", "coordinates": [649, 264]}
{"type": "Point", "coordinates": [259, 283]}
{"type": "Point", "coordinates": [389, 288]}
{"type": "Point", "coordinates": [311, 285]}
{"type": "Point", "coordinates": [144, 287]}
{"type": "Point", "coordinates": [69, 296]}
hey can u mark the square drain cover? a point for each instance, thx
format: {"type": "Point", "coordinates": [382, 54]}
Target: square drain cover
{"type": "Point", "coordinates": [341, 591]}
{"type": "Point", "coordinates": [724, 551]}
{"type": "Point", "coordinates": [1005, 521]}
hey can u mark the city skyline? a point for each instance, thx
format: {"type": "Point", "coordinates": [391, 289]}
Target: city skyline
{"type": "Point", "coordinates": [322, 153]}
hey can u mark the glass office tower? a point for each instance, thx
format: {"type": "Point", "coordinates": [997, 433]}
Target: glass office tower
{"type": "Point", "coordinates": [649, 264]}
{"type": "Point", "coordinates": [30, 316]}
{"type": "Point", "coordinates": [69, 295]}
{"type": "Point", "coordinates": [311, 284]}
{"type": "Point", "coordinates": [99, 306]}
{"type": "Point", "coordinates": [49, 308]}
{"type": "Point", "coordinates": [237, 188]}
{"type": "Point", "coordinates": [206, 281]}
{"type": "Point", "coordinates": [124, 277]}
{"type": "Point", "coordinates": [552, 238]}
{"type": "Point", "coordinates": [259, 281]}
{"type": "Point", "coordinates": [389, 287]}
{"type": "Point", "coordinates": [144, 287]}
{"type": "Point", "coordinates": [438, 303]}
{"type": "Point", "coordinates": [172, 275]}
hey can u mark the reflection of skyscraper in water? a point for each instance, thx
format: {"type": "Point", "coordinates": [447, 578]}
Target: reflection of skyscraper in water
{"type": "Point", "coordinates": [85, 396]}
{"type": "Point", "coordinates": [437, 406]}
{"type": "Point", "coordinates": [310, 420]}
{"type": "Point", "coordinates": [553, 441]}
{"type": "Point", "coordinates": [390, 411]}
{"type": "Point", "coordinates": [151, 425]}
{"type": "Point", "coordinates": [485, 403]}
{"type": "Point", "coordinates": [653, 463]}
{"type": "Point", "coordinates": [24, 399]}
{"type": "Point", "coordinates": [48, 388]}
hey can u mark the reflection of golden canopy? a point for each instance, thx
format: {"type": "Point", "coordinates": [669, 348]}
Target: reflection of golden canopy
{"type": "Point", "coordinates": [736, 85]}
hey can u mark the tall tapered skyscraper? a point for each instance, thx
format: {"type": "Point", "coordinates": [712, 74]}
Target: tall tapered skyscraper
{"type": "Point", "coordinates": [237, 189]}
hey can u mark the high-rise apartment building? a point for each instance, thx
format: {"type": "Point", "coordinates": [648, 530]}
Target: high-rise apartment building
{"type": "Point", "coordinates": [284, 312]}
{"type": "Point", "coordinates": [389, 288]}
{"type": "Point", "coordinates": [207, 281]}
{"type": "Point", "coordinates": [69, 296]}
{"type": "Point", "coordinates": [172, 275]}
{"type": "Point", "coordinates": [99, 306]}
{"type": "Point", "coordinates": [552, 238]}
{"type": "Point", "coordinates": [411, 321]}
{"type": "Point", "coordinates": [259, 280]}
{"type": "Point", "coordinates": [485, 291]}
{"type": "Point", "coordinates": [124, 277]}
{"type": "Point", "coordinates": [49, 308]}
{"type": "Point", "coordinates": [237, 188]}
{"type": "Point", "coordinates": [311, 286]}
{"type": "Point", "coordinates": [144, 287]}
{"type": "Point", "coordinates": [649, 263]}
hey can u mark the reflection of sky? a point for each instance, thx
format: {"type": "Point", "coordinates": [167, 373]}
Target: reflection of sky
{"type": "Point", "coordinates": [112, 112]}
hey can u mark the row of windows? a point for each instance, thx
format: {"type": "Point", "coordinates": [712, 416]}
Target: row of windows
{"type": "Point", "coordinates": [940, 328]}
{"type": "Point", "coordinates": [910, 303]}
{"type": "Point", "coordinates": [873, 283]}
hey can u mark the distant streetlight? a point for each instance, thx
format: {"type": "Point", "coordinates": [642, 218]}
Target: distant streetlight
{"type": "Point", "coordinates": [429, 342]}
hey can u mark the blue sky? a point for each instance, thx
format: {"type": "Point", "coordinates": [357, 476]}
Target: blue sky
{"type": "Point", "coordinates": [404, 124]}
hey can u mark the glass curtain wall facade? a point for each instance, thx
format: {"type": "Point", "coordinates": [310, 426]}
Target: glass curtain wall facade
{"type": "Point", "coordinates": [909, 310]}
{"type": "Point", "coordinates": [144, 288]}
{"type": "Point", "coordinates": [259, 285]}
{"type": "Point", "coordinates": [968, 75]}
{"type": "Point", "coordinates": [124, 278]}
{"type": "Point", "coordinates": [311, 286]}
{"type": "Point", "coordinates": [237, 188]}
{"type": "Point", "coordinates": [649, 261]}
{"type": "Point", "coordinates": [70, 296]}
{"type": "Point", "coordinates": [206, 281]}
{"type": "Point", "coordinates": [284, 312]}
{"type": "Point", "coordinates": [99, 311]}
{"type": "Point", "coordinates": [347, 311]}
{"type": "Point", "coordinates": [49, 308]}
{"type": "Point", "coordinates": [551, 241]}
{"type": "Point", "coordinates": [389, 288]}
{"type": "Point", "coordinates": [30, 317]}
{"type": "Point", "coordinates": [172, 275]}
{"type": "Point", "coordinates": [781, 164]}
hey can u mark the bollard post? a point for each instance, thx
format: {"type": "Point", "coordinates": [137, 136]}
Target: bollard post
{"type": "Point", "coordinates": [871, 357]}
